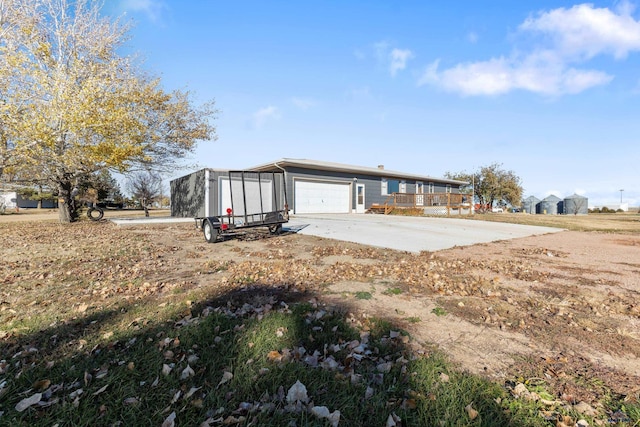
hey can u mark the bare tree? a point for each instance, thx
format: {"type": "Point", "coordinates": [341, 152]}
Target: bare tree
{"type": "Point", "coordinates": [145, 188]}
{"type": "Point", "coordinates": [577, 205]}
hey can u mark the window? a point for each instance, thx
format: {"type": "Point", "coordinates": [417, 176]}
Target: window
{"type": "Point", "coordinates": [403, 187]}
{"type": "Point", "coordinates": [419, 187]}
{"type": "Point", "coordinates": [393, 186]}
{"type": "Point", "coordinates": [389, 186]}
{"type": "Point", "coordinates": [432, 188]}
{"type": "Point", "coordinates": [448, 189]}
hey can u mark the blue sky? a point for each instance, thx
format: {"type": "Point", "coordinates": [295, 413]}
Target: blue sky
{"type": "Point", "coordinates": [550, 89]}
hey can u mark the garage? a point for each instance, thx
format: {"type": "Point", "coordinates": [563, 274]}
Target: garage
{"type": "Point", "coordinates": [322, 197]}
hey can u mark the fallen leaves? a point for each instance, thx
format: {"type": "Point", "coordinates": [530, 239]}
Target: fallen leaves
{"type": "Point", "coordinates": [187, 373]}
{"type": "Point", "coordinates": [472, 413]}
{"type": "Point", "coordinates": [323, 412]}
{"type": "Point", "coordinates": [142, 273]}
{"type": "Point", "coordinates": [28, 402]}
{"type": "Point", "coordinates": [297, 393]}
{"type": "Point", "coordinates": [226, 377]}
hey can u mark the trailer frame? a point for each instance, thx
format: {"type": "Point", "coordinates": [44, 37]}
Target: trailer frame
{"type": "Point", "coordinates": [272, 212]}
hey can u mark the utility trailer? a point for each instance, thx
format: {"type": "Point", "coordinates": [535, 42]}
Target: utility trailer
{"type": "Point", "coordinates": [249, 199]}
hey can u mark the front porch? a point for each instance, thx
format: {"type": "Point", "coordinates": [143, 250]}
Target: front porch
{"type": "Point", "coordinates": [426, 203]}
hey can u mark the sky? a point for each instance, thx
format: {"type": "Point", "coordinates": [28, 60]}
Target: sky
{"type": "Point", "coordinates": [548, 89]}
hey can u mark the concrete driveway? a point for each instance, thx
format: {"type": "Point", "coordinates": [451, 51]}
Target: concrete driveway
{"type": "Point", "coordinates": [413, 234]}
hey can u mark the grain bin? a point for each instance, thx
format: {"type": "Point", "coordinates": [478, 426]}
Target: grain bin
{"type": "Point", "coordinates": [549, 205]}
{"type": "Point", "coordinates": [576, 205]}
{"type": "Point", "coordinates": [530, 205]}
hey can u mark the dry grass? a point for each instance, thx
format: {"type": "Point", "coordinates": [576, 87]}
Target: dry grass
{"type": "Point", "coordinates": [626, 223]}
{"type": "Point", "coordinates": [80, 299]}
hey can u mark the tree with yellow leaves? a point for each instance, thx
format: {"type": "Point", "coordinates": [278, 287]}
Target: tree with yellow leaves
{"type": "Point", "coordinates": [70, 105]}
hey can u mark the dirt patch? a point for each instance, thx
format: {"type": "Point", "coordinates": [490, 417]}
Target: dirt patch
{"type": "Point", "coordinates": [564, 307]}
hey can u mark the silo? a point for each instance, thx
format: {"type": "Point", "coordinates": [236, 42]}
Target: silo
{"type": "Point", "coordinates": [549, 205]}
{"type": "Point", "coordinates": [530, 204]}
{"type": "Point", "coordinates": [576, 205]}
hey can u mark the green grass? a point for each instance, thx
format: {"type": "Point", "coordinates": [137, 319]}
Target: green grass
{"type": "Point", "coordinates": [263, 356]}
{"type": "Point", "coordinates": [363, 295]}
{"type": "Point", "coordinates": [439, 311]}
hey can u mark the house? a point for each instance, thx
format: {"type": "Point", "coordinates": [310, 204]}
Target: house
{"type": "Point", "coordinates": [13, 199]}
{"type": "Point", "coordinates": [322, 187]}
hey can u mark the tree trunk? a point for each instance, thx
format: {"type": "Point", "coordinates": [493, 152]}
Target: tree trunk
{"type": "Point", "coordinates": [67, 210]}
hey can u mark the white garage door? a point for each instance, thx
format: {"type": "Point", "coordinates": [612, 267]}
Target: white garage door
{"type": "Point", "coordinates": [321, 197]}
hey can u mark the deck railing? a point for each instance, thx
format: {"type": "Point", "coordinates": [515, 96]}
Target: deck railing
{"type": "Point", "coordinates": [439, 203]}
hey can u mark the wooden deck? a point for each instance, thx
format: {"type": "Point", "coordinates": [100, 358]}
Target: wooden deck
{"type": "Point", "coordinates": [434, 203]}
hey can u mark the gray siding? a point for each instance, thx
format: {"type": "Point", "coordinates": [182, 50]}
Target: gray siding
{"type": "Point", "coordinates": [372, 184]}
{"type": "Point", "coordinates": [192, 196]}
{"type": "Point", "coordinates": [187, 195]}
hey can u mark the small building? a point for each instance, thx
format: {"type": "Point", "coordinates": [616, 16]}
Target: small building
{"type": "Point", "coordinates": [13, 199]}
{"type": "Point", "coordinates": [550, 205]}
{"type": "Point", "coordinates": [531, 205]}
{"type": "Point", "coordinates": [9, 200]}
{"type": "Point", "coordinates": [575, 205]}
{"type": "Point", "coordinates": [317, 187]}
{"type": "Point", "coordinates": [210, 192]}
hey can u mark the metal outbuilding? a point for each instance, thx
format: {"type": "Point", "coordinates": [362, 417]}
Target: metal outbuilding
{"type": "Point", "coordinates": [208, 192]}
{"type": "Point", "coordinates": [576, 205]}
{"type": "Point", "coordinates": [550, 204]}
{"type": "Point", "coordinates": [530, 205]}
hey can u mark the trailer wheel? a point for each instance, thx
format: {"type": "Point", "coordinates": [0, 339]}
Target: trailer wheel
{"type": "Point", "coordinates": [275, 229]}
{"type": "Point", "coordinates": [95, 213]}
{"type": "Point", "coordinates": [209, 231]}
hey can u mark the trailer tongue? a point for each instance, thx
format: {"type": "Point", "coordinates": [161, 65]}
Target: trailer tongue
{"type": "Point", "coordinates": [253, 199]}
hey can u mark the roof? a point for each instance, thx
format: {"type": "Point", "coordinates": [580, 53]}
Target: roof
{"type": "Point", "coordinates": [575, 196]}
{"type": "Point", "coordinates": [340, 167]}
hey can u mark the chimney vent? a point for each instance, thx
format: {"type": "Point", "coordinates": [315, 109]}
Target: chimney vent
{"type": "Point", "coordinates": [380, 166]}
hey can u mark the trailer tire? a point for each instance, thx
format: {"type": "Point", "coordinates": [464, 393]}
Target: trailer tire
{"type": "Point", "coordinates": [209, 231]}
{"type": "Point", "coordinates": [275, 229]}
{"type": "Point", "coordinates": [95, 213]}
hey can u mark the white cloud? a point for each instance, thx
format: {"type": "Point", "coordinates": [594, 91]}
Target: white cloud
{"type": "Point", "coordinates": [501, 75]}
{"type": "Point", "coordinates": [394, 58]}
{"type": "Point", "coordinates": [263, 115]}
{"type": "Point", "coordinates": [153, 9]}
{"type": "Point", "coordinates": [399, 58]}
{"type": "Point", "coordinates": [564, 40]}
{"type": "Point", "coordinates": [303, 103]}
{"type": "Point", "coordinates": [584, 31]}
